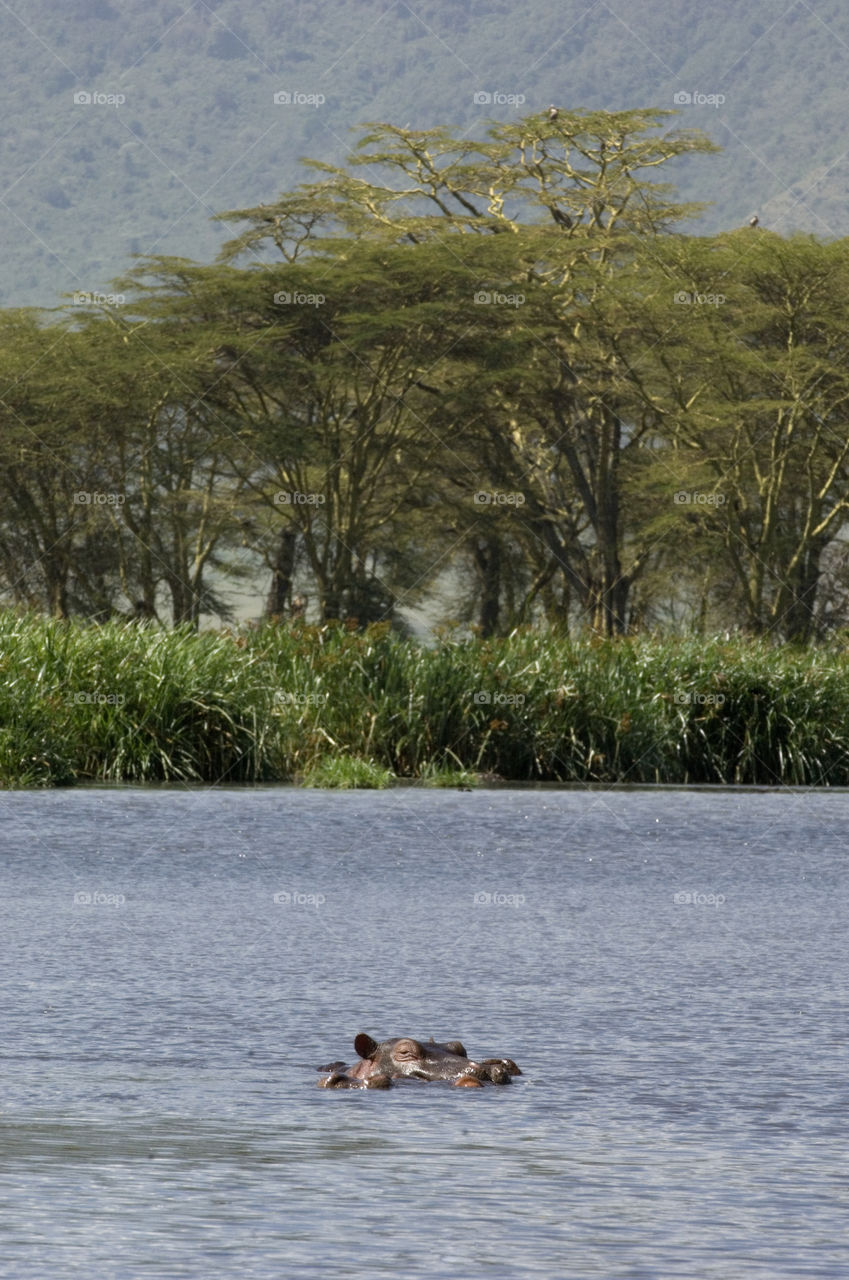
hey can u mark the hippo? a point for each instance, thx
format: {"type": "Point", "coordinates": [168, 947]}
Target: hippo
{"type": "Point", "coordinates": [408, 1059]}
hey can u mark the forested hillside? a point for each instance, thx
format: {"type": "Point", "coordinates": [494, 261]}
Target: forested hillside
{"type": "Point", "coordinates": [89, 183]}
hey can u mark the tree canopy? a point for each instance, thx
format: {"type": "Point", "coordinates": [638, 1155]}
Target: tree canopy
{"type": "Point", "coordinates": [489, 377]}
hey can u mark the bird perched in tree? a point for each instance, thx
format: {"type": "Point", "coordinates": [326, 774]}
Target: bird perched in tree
{"type": "Point", "coordinates": [553, 113]}
{"type": "Point", "coordinates": [753, 222]}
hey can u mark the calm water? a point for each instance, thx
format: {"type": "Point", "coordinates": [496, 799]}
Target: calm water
{"type": "Point", "coordinates": [669, 968]}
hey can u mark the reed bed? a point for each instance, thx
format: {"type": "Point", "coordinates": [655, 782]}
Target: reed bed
{"type": "Point", "coordinates": [331, 707]}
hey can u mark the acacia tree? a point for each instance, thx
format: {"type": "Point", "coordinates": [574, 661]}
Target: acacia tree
{"type": "Point", "coordinates": [164, 511]}
{"type": "Point", "coordinates": [51, 556]}
{"type": "Point", "coordinates": [332, 426]}
{"type": "Point", "coordinates": [756, 390]}
{"type": "Point", "coordinates": [567, 205]}
{"type": "Point", "coordinates": [183, 523]}
{"type": "Point", "coordinates": [117, 492]}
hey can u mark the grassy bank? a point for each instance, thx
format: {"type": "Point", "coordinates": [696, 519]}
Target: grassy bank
{"type": "Point", "coordinates": [333, 708]}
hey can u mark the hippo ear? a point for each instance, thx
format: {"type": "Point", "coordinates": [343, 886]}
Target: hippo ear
{"type": "Point", "coordinates": [364, 1045]}
{"type": "Point", "coordinates": [454, 1046]}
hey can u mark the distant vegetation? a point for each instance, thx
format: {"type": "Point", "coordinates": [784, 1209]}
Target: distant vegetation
{"type": "Point", "coordinates": [333, 707]}
{"type": "Point", "coordinates": [474, 370]}
{"type": "Point", "coordinates": [478, 367]}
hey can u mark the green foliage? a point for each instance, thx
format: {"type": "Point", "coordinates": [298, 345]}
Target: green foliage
{"type": "Point", "coordinates": [469, 362]}
{"type": "Point", "coordinates": [338, 708]}
{"type": "Point", "coordinates": [347, 773]}
{"type": "Point", "coordinates": [754, 382]}
{"type": "Point", "coordinates": [124, 703]}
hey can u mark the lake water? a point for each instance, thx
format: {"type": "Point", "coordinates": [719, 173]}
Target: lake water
{"type": "Point", "coordinates": [668, 967]}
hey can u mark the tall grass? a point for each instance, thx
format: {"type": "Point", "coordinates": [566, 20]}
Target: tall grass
{"type": "Point", "coordinates": [340, 708]}
{"type": "Point", "coordinates": [128, 704]}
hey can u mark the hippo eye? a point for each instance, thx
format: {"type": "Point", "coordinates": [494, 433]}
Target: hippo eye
{"type": "Point", "coordinates": [407, 1050]}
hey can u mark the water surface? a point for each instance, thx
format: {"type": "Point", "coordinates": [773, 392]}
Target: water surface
{"type": "Point", "coordinates": [668, 967]}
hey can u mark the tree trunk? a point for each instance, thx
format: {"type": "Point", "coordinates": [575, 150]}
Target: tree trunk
{"type": "Point", "coordinates": [487, 557]}
{"type": "Point", "coordinates": [282, 570]}
{"type": "Point", "coordinates": [182, 604]}
{"type": "Point", "coordinates": [796, 600]}
{"type": "Point", "coordinates": [57, 591]}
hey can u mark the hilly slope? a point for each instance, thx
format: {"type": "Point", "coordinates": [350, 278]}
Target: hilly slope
{"type": "Point", "coordinates": [127, 123]}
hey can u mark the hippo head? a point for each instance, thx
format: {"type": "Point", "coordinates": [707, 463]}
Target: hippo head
{"type": "Point", "coordinates": [405, 1058]}
{"type": "Point", "coordinates": [408, 1057]}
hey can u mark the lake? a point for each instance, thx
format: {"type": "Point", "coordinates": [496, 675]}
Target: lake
{"type": "Point", "coordinates": [668, 967]}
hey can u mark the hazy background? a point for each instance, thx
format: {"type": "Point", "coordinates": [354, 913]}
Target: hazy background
{"type": "Point", "coordinates": [88, 184]}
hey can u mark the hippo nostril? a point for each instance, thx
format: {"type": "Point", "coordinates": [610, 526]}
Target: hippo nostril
{"type": "Point", "coordinates": [378, 1081]}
